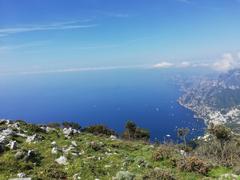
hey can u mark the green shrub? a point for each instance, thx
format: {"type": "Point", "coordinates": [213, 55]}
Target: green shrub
{"type": "Point", "coordinates": [221, 132]}
{"type": "Point", "coordinates": [174, 161]}
{"type": "Point", "coordinates": [159, 174]}
{"type": "Point", "coordinates": [194, 164]}
{"type": "Point", "coordinates": [52, 171]}
{"type": "Point", "coordinates": [73, 125]}
{"type": "Point", "coordinates": [96, 146]}
{"type": "Point", "coordinates": [22, 122]}
{"type": "Point", "coordinates": [142, 134]}
{"type": "Point", "coordinates": [34, 129]}
{"type": "Point", "coordinates": [54, 125]}
{"type": "Point", "coordinates": [132, 132]}
{"type": "Point", "coordinates": [99, 130]}
{"type": "Point", "coordinates": [29, 156]}
{"type": "Point", "coordinates": [182, 133]}
{"type": "Point", "coordinates": [2, 148]}
{"type": "Point", "coordinates": [124, 175]}
{"type": "Point", "coordinates": [236, 170]}
{"type": "Point", "coordinates": [164, 152]}
{"type": "Point", "coordinates": [223, 151]}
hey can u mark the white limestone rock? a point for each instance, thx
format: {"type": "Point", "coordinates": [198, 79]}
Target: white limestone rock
{"type": "Point", "coordinates": [229, 176]}
{"type": "Point", "coordinates": [13, 145]}
{"type": "Point", "coordinates": [183, 153]}
{"type": "Point", "coordinates": [62, 160]}
{"type": "Point", "coordinates": [68, 132]}
{"type": "Point", "coordinates": [54, 150]}
{"type": "Point", "coordinates": [53, 144]}
{"type": "Point", "coordinates": [67, 150]}
{"type": "Point", "coordinates": [14, 126]}
{"type": "Point", "coordinates": [3, 139]}
{"type": "Point", "coordinates": [47, 129]}
{"type": "Point", "coordinates": [4, 121]}
{"type": "Point", "coordinates": [76, 176]}
{"type": "Point", "coordinates": [31, 138]}
{"type": "Point", "coordinates": [7, 132]}
{"type": "Point", "coordinates": [112, 137]}
{"type": "Point", "coordinates": [21, 135]}
{"type": "Point", "coordinates": [74, 143]}
{"type": "Point", "coordinates": [21, 175]}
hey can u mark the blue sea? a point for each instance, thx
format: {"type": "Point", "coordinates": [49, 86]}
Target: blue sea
{"type": "Point", "coordinates": [146, 96]}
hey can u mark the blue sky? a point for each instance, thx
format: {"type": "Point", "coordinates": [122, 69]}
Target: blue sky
{"type": "Point", "coordinates": [75, 35]}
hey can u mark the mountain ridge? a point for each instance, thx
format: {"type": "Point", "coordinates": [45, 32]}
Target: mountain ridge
{"type": "Point", "coordinates": [215, 100]}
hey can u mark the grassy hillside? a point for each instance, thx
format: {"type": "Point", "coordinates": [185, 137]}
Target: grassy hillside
{"type": "Point", "coordinates": [30, 151]}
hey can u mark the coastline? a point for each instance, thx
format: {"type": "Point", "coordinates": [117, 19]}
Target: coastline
{"type": "Point", "coordinates": [196, 114]}
{"type": "Point", "coordinates": [210, 115]}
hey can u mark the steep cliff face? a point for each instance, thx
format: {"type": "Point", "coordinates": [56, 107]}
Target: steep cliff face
{"type": "Point", "coordinates": [230, 80]}
{"type": "Point", "coordinates": [215, 100]}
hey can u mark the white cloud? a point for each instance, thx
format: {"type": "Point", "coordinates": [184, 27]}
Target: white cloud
{"type": "Point", "coordinates": [207, 65]}
{"type": "Point", "coordinates": [80, 69]}
{"type": "Point", "coordinates": [185, 64]}
{"type": "Point", "coordinates": [238, 55]}
{"type": "Point", "coordinates": [227, 62]}
{"type": "Point", "coordinates": [52, 26]}
{"type": "Point", "coordinates": [163, 65]}
{"type": "Point", "coordinates": [11, 48]}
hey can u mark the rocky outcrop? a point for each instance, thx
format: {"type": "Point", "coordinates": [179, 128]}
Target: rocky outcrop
{"type": "Point", "coordinates": [27, 155]}
{"type": "Point", "coordinates": [68, 132]}
{"type": "Point", "coordinates": [34, 138]}
{"type": "Point", "coordinates": [13, 145]}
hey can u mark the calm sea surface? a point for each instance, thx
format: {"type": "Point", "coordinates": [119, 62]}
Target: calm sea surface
{"type": "Point", "coordinates": [147, 97]}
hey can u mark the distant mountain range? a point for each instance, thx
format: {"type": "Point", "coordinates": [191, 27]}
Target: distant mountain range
{"type": "Point", "coordinates": [215, 100]}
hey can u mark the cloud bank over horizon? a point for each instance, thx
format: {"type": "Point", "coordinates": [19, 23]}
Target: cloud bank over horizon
{"type": "Point", "coordinates": [227, 62]}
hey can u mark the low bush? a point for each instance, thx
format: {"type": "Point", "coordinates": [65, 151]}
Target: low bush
{"type": "Point", "coordinates": [34, 129]}
{"type": "Point", "coordinates": [142, 134]}
{"type": "Point", "coordinates": [96, 146]}
{"type": "Point", "coordinates": [99, 130]}
{"type": "Point", "coordinates": [164, 152]}
{"type": "Point", "coordinates": [194, 164]}
{"type": "Point", "coordinates": [236, 170]}
{"type": "Point", "coordinates": [124, 175]}
{"type": "Point", "coordinates": [54, 125]}
{"type": "Point", "coordinates": [132, 132]}
{"type": "Point", "coordinates": [22, 122]}
{"type": "Point", "coordinates": [226, 154]}
{"type": "Point", "coordinates": [159, 174]}
{"type": "Point", "coordinates": [73, 125]}
{"type": "Point", "coordinates": [52, 171]}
